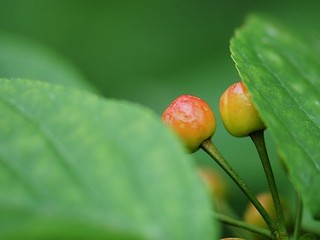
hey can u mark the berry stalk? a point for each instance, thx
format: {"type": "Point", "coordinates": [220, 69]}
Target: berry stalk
{"type": "Point", "coordinates": [236, 223]}
{"type": "Point", "coordinates": [213, 152]}
{"type": "Point", "coordinates": [258, 140]}
{"type": "Point", "coordinates": [298, 217]}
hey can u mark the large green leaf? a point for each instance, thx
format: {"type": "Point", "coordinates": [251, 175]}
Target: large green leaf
{"type": "Point", "coordinates": [281, 69]}
{"type": "Point", "coordinates": [73, 165]}
{"type": "Point", "coordinates": [23, 58]}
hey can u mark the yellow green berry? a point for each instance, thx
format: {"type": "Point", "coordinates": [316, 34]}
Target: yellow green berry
{"type": "Point", "coordinates": [238, 114]}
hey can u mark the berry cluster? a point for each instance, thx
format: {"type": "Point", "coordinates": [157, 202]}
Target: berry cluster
{"type": "Point", "coordinates": [193, 120]}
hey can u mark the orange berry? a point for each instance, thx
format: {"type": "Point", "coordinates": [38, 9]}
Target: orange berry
{"type": "Point", "coordinates": [192, 120]}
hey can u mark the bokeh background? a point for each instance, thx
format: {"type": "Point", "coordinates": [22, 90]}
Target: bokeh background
{"type": "Point", "coordinates": [149, 52]}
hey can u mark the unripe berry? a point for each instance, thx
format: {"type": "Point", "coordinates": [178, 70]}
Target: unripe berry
{"type": "Point", "coordinates": [251, 214]}
{"type": "Point", "coordinates": [238, 114]}
{"type": "Point", "coordinates": [253, 217]}
{"type": "Point", "coordinates": [192, 119]}
{"type": "Point", "coordinates": [214, 182]}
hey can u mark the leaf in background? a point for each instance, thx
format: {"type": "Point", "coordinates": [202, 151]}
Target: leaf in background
{"type": "Point", "coordinates": [21, 58]}
{"type": "Point", "coordinates": [73, 165]}
{"type": "Point", "coordinates": [281, 69]}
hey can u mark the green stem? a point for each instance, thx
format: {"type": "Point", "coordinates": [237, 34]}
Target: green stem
{"type": "Point", "coordinates": [213, 152]}
{"type": "Point", "coordinates": [224, 209]}
{"type": "Point", "coordinates": [299, 210]}
{"type": "Point", "coordinates": [258, 139]}
{"type": "Point", "coordinates": [240, 224]}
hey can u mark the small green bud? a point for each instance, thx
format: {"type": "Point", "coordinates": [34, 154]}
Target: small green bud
{"type": "Point", "coordinates": [238, 114]}
{"type": "Point", "coordinates": [192, 120]}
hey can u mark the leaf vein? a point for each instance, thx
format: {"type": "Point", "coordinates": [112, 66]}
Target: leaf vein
{"type": "Point", "coordinates": [299, 107]}
{"type": "Point", "coordinates": [62, 156]}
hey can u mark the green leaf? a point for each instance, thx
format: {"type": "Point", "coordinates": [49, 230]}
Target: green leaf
{"type": "Point", "coordinates": [22, 58]}
{"type": "Point", "coordinates": [281, 69]}
{"type": "Point", "coordinates": [73, 165]}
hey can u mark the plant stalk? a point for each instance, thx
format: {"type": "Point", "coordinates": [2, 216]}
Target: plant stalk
{"type": "Point", "coordinates": [258, 140]}
{"type": "Point", "coordinates": [298, 217]}
{"type": "Point", "coordinates": [214, 153]}
{"type": "Point", "coordinates": [240, 224]}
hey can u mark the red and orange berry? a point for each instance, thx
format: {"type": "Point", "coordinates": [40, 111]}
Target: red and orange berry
{"type": "Point", "coordinates": [192, 119]}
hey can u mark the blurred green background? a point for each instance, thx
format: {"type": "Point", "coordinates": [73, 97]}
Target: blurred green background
{"type": "Point", "coordinates": [145, 51]}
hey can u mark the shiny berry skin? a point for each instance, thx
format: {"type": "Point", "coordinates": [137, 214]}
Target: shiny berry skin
{"type": "Point", "coordinates": [192, 120]}
{"type": "Point", "coordinates": [238, 114]}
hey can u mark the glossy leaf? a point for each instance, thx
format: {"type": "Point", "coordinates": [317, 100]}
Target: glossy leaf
{"type": "Point", "coordinates": [76, 166]}
{"type": "Point", "coordinates": [281, 69]}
